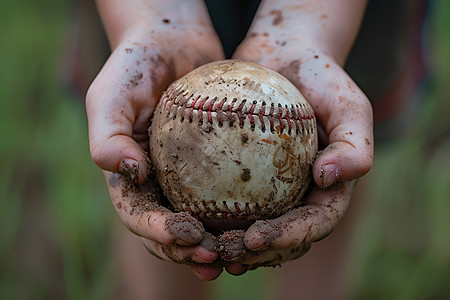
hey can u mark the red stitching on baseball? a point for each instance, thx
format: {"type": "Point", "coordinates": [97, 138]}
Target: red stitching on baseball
{"type": "Point", "coordinates": [250, 115]}
{"type": "Point", "coordinates": [205, 107]}
{"type": "Point", "coordinates": [300, 117]}
{"type": "Point", "coordinates": [280, 117]}
{"type": "Point", "coordinates": [240, 113]}
{"type": "Point", "coordinates": [210, 110]}
{"type": "Point", "coordinates": [261, 115]}
{"type": "Point", "coordinates": [200, 110]}
{"type": "Point", "coordinates": [235, 210]}
{"type": "Point", "coordinates": [288, 120]}
{"type": "Point", "coordinates": [236, 206]}
{"type": "Point", "coordinates": [191, 110]}
{"type": "Point", "coordinates": [229, 111]}
{"type": "Point", "coordinates": [272, 109]}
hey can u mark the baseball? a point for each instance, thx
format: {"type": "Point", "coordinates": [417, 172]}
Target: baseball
{"type": "Point", "coordinates": [233, 142]}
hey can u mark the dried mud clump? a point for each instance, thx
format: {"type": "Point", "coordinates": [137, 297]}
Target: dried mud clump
{"type": "Point", "coordinates": [185, 227]}
{"type": "Point", "coordinates": [231, 245]}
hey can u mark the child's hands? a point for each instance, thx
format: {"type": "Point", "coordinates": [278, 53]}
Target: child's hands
{"type": "Point", "coordinates": [155, 42]}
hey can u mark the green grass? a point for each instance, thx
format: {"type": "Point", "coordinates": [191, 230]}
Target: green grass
{"type": "Point", "coordinates": [55, 214]}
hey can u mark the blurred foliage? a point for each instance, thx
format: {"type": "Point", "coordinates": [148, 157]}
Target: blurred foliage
{"type": "Point", "coordinates": [56, 219]}
{"type": "Point", "coordinates": [404, 239]}
{"type": "Point", "coordinates": [54, 213]}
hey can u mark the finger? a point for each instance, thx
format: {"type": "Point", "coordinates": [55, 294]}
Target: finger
{"type": "Point", "coordinates": [236, 268]}
{"type": "Point", "coordinates": [232, 249]}
{"type": "Point", "coordinates": [303, 225]}
{"type": "Point", "coordinates": [139, 209]}
{"type": "Point", "coordinates": [342, 110]}
{"type": "Point", "coordinates": [231, 245]}
{"type": "Point", "coordinates": [202, 271]}
{"type": "Point", "coordinates": [273, 257]}
{"type": "Point", "coordinates": [187, 255]}
{"type": "Point", "coordinates": [206, 272]}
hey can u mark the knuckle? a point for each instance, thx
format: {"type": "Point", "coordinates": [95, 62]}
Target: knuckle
{"type": "Point", "coordinates": [96, 151]}
{"type": "Point", "coordinates": [366, 163]}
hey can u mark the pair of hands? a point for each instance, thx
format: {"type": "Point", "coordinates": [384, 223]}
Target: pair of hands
{"type": "Point", "coordinates": [120, 104]}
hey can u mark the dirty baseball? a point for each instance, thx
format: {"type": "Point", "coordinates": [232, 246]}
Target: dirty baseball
{"type": "Point", "coordinates": [233, 142]}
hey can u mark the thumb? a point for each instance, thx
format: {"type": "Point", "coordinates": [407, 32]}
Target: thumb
{"type": "Point", "coordinates": [343, 112]}
{"type": "Point", "coordinates": [346, 117]}
{"type": "Point", "coordinates": [111, 119]}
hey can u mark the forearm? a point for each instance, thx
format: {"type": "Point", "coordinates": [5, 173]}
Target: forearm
{"type": "Point", "coordinates": [122, 18]}
{"type": "Point", "coordinates": [330, 25]}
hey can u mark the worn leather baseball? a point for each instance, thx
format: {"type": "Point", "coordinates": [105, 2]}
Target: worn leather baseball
{"type": "Point", "coordinates": [233, 142]}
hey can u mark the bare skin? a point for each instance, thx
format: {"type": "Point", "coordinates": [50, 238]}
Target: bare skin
{"type": "Point", "coordinates": [275, 40]}
{"type": "Point", "coordinates": [156, 42]}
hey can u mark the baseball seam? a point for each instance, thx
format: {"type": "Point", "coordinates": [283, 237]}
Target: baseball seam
{"type": "Point", "coordinates": [288, 118]}
{"type": "Point", "coordinates": [234, 210]}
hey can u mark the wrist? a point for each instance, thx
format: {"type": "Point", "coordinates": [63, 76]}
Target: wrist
{"type": "Point", "coordinates": [144, 18]}
{"type": "Point", "coordinates": [329, 27]}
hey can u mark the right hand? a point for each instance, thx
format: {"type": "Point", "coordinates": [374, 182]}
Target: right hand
{"type": "Point", "coordinates": [120, 103]}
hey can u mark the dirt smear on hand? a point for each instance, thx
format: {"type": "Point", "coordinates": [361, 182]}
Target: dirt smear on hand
{"type": "Point", "coordinates": [231, 245]}
{"type": "Point", "coordinates": [268, 231]}
{"type": "Point", "coordinates": [292, 71]}
{"type": "Point", "coordinates": [187, 229]}
{"type": "Point", "coordinates": [139, 198]}
{"type": "Point", "coordinates": [277, 17]}
{"type": "Point", "coordinates": [209, 242]}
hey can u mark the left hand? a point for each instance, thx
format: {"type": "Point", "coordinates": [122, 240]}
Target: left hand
{"type": "Point", "coordinates": [345, 123]}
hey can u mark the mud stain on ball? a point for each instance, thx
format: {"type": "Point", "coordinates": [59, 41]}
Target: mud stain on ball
{"type": "Point", "coordinates": [245, 176]}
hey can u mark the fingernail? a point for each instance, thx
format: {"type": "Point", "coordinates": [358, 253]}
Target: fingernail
{"type": "Point", "coordinates": [199, 259]}
{"type": "Point", "coordinates": [260, 247]}
{"type": "Point", "coordinates": [330, 174]}
{"type": "Point", "coordinates": [236, 269]}
{"type": "Point", "coordinates": [130, 168]}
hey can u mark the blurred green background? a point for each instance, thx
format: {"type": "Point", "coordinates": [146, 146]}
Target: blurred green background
{"type": "Point", "coordinates": [56, 217]}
